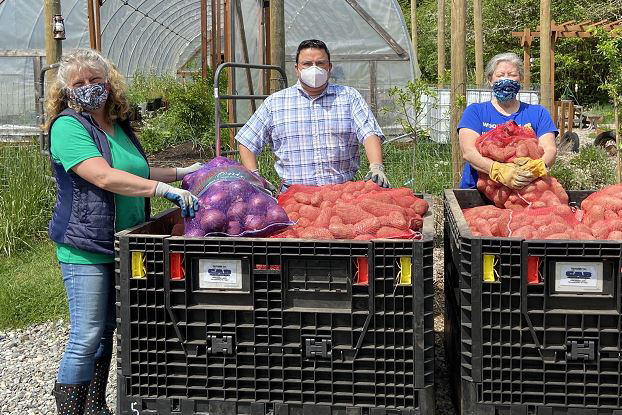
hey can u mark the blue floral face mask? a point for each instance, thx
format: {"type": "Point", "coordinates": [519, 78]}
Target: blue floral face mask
{"type": "Point", "coordinates": [89, 97]}
{"type": "Point", "coordinates": [505, 89]}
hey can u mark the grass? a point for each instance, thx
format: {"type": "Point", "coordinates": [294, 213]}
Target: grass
{"type": "Point", "coordinates": [606, 110]}
{"type": "Point", "coordinates": [26, 197]}
{"type": "Point", "coordinates": [32, 288]}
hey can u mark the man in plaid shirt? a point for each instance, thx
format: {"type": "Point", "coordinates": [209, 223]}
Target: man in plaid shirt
{"type": "Point", "coordinates": [314, 127]}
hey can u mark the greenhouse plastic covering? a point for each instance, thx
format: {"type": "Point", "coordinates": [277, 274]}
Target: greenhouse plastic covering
{"type": "Point", "coordinates": [160, 36]}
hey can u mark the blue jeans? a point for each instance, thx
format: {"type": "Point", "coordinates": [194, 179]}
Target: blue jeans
{"type": "Point", "coordinates": [91, 298]}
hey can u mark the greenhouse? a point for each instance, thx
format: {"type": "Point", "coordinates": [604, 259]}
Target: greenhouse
{"type": "Point", "coordinates": [369, 43]}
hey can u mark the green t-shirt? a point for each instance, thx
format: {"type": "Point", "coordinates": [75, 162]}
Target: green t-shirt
{"type": "Point", "coordinates": [71, 145]}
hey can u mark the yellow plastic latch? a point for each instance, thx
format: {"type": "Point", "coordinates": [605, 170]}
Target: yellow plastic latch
{"type": "Point", "coordinates": [405, 270]}
{"type": "Point", "coordinates": [138, 265]}
{"type": "Point", "coordinates": [489, 268]}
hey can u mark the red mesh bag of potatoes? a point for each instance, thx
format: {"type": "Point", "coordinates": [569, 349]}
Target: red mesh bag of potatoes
{"type": "Point", "coordinates": [602, 212]}
{"type": "Point", "coordinates": [503, 144]}
{"type": "Point", "coordinates": [542, 192]}
{"type": "Point", "coordinates": [484, 220]}
{"type": "Point", "coordinates": [509, 140]}
{"type": "Point", "coordinates": [553, 222]}
{"type": "Point", "coordinates": [352, 210]}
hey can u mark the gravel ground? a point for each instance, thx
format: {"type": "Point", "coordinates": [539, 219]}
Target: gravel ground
{"type": "Point", "coordinates": [29, 360]}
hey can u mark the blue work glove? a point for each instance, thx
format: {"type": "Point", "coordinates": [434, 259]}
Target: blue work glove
{"type": "Point", "coordinates": [180, 172]}
{"type": "Point", "coordinates": [376, 175]}
{"type": "Point", "coordinates": [188, 202]}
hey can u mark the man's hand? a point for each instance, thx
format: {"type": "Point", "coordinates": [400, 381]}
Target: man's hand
{"type": "Point", "coordinates": [180, 172]}
{"type": "Point", "coordinates": [376, 175]}
{"type": "Point", "coordinates": [510, 175]}
{"type": "Point", "coordinates": [188, 202]}
{"type": "Point", "coordinates": [269, 186]}
{"type": "Point", "coordinates": [536, 167]}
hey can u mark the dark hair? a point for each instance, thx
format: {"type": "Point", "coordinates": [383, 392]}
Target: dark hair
{"type": "Point", "coordinates": [312, 43]}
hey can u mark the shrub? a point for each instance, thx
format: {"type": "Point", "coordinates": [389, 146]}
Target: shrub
{"type": "Point", "coordinates": [590, 169]}
{"type": "Point", "coordinates": [188, 113]}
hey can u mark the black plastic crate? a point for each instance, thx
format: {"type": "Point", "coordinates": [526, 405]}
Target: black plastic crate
{"type": "Point", "coordinates": [297, 331]}
{"type": "Point", "coordinates": [531, 348]}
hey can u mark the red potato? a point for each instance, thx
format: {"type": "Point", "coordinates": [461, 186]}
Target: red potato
{"type": "Point", "coordinates": [615, 235]}
{"type": "Point", "coordinates": [420, 206]}
{"type": "Point", "coordinates": [309, 212]}
{"type": "Point", "coordinates": [350, 214]}
{"type": "Point", "coordinates": [315, 233]}
{"type": "Point", "coordinates": [561, 235]}
{"type": "Point", "coordinates": [394, 219]}
{"type": "Point", "coordinates": [316, 199]}
{"type": "Point", "coordinates": [406, 201]}
{"type": "Point", "coordinates": [323, 219]}
{"type": "Point", "coordinates": [292, 207]}
{"type": "Point", "coordinates": [341, 231]}
{"type": "Point", "coordinates": [303, 198]}
{"type": "Point", "coordinates": [578, 235]}
{"type": "Point", "coordinates": [370, 226]}
{"type": "Point", "coordinates": [525, 232]}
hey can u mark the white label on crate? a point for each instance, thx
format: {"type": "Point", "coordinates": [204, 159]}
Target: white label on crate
{"type": "Point", "coordinates": [220, 274]}
{"type": "Point", "coordinates": [579, 277]}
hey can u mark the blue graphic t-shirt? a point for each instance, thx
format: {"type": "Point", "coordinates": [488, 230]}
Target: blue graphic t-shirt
{"type": "Point", "coordinates": [482, 117]}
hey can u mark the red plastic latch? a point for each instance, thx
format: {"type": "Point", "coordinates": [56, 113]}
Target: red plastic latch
{"type": "Point", "coordinates": [362, 271]}
{"type": "Point", "coordinates": [176, 268]}
{"type": "Point", "coordinates": [532, 270]}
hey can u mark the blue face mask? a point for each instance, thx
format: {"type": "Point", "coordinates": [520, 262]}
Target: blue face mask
{"type": "Point", "coordinates": [505, 89]}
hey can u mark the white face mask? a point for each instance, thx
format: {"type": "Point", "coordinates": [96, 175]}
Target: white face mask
{"type": "Point", "coordinates": [314, 76]}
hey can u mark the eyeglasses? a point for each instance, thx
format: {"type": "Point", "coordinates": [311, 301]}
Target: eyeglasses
{"type": "Point", "coordinates": [308, 64]}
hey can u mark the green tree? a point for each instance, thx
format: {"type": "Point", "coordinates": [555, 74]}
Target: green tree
{"type": "Point", "coordinates": [576, 60]}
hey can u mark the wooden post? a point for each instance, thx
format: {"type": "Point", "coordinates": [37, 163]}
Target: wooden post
{"type": "Point", "coordinates": [527, 38]}
{"type": "Point", "coordinates": [90, 15]}
{"type": "Point", "coordinates": [440, 41]}
{"type": "Point", "coordinates": [458, 82]}
{"type": "Point", "coordinates": [212, 42]}
{"type": "Point", "coordinates": [53, 47]}
{"type": "Point", "coordinates": [98, 29]}
{"type": "Point", "coordinates": [204, 39]}
{"type": "Point", "coordinates": [413, 24]}
{"type": "Point", "coordinates": [277, 39]}
{"type": "Point", "coordinates": [479, 45]}
{"type": "Point", "coordinates": [562, 118]}
{"type": "Point", "coordinates": [552, 67]}
{"type": "Point", "coordinates": [546, 98]}
{"type": "Point", "coordinates": [218, 35]}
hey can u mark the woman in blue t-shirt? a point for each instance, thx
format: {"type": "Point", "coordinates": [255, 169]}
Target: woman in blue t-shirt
{"type": "Point", "coordinates": [504, 73]}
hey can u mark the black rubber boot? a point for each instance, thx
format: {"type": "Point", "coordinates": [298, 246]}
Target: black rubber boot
{"type": "Point", "coordinates": [96, 398]}
{"type": "Point", "coordinates": [70, 399]}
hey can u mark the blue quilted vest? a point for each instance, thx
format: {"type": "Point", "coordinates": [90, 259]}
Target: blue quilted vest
{"type": "Point", "coordinates": [84, 215]}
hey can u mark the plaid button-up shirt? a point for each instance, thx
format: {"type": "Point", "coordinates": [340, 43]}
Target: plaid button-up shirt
{"type": "Point", "coordinates": [315, 141]}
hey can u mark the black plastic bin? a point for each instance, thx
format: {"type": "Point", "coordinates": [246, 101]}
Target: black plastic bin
{"type": "Point", "coordinates": [531, 346]}
{"type": "Point", "coordinates": [273, 326]}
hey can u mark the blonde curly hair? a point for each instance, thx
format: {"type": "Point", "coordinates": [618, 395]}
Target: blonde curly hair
{"type": "Point", "coordinates": [57, 100]}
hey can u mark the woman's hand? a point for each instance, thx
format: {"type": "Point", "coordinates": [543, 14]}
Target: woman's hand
{"type": "Point", "coordinates": [510, 175]}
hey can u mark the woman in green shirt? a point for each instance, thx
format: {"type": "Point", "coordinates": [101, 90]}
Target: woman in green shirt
{"type": "Point", "coordinates": [103, 185]}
